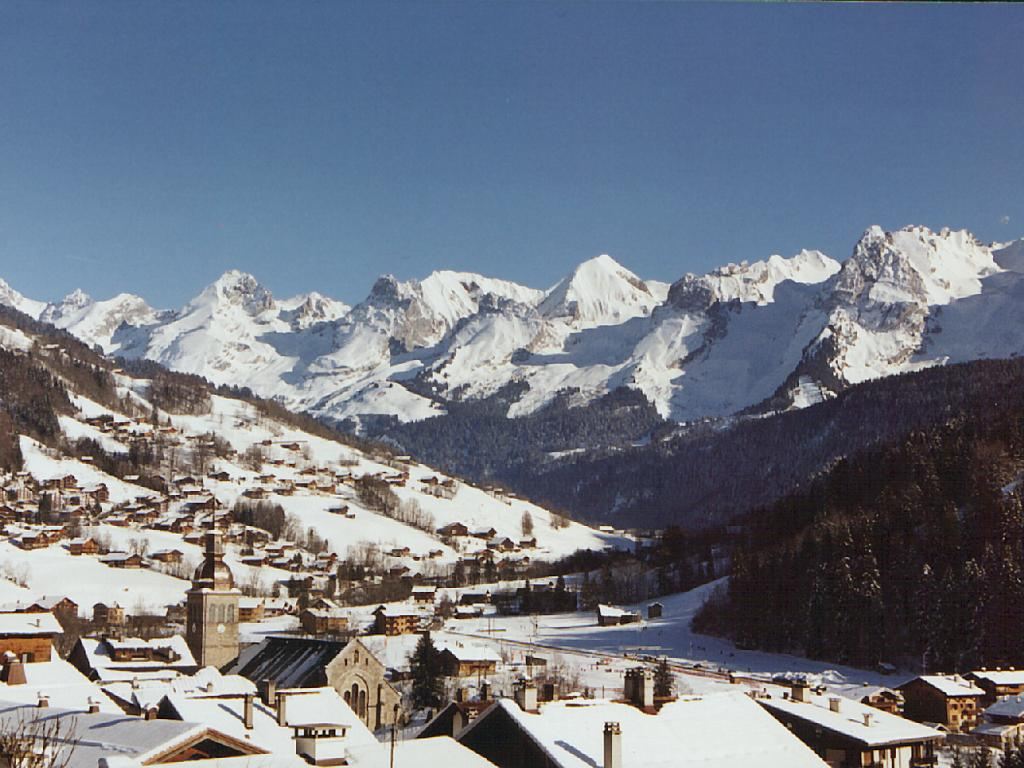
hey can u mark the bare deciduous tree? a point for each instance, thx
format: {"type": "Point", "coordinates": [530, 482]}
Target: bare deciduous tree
{"type": "Point", "coordinates": [28, 742]}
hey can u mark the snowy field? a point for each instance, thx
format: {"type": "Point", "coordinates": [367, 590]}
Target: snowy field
{"type": "Point", "coordinates": [669, 636]}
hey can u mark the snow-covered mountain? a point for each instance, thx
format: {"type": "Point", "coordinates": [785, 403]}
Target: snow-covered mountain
{"type": "Point", "coordinates": [770, 334]}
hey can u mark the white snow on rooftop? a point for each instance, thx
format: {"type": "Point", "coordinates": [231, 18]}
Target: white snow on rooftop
{"type": "Point", "coordinates": [690, 732]}
{"type": "Point", "coordinates": [881, 729]}
{"type": "Point", "coordinates": [952, 685]}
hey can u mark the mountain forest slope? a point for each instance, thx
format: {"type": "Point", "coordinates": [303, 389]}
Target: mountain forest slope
{"type": "Point", "coordinates": [918, 546]}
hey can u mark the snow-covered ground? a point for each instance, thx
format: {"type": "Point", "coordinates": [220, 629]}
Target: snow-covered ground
{"type": "Point", "coordinates": [670, 636]}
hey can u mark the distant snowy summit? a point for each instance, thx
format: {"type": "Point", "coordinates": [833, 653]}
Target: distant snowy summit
{"type": "Point", "coordinates": [759, 336]}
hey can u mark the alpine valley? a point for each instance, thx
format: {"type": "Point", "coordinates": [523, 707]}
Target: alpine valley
{"type": "Point", "coordinates": [496, 380]}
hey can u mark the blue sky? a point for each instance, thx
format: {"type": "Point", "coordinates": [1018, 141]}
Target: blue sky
{"type": "Point", "coordinates": [149, 146]}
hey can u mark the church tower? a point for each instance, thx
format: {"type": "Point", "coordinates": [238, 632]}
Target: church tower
{"type": "Point", "coordinates": [212, 608]}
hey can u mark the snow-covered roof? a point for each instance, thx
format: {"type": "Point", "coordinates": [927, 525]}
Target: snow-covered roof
{"type": "Point", "coordinates": [97, 653]}
{"type": "Point", "coordinates": [952, 685]}
{"type": "Point", "coordinates": [29, 624]}
{"type": "Point", "coordinates": [146, 689]}
{"type": "Point", "coordinates": [715, 731]}
{"type": "Point", "coordinates": [1000, 676]}
{"type": "Point", "coordinates": [996, 729]}
{"type": "Point", "coordinates": [863, 723]}
{"type": "Point", "coordinates": [62, 683]}
{"type": "Point", "coordinates": [93, 736]}
{"type": "Point", "coordinates": [1011, 706]}
{"type": "Point", "coordinates": [437, 750]}
{"type": "Point", "coordinates": [469, 652]}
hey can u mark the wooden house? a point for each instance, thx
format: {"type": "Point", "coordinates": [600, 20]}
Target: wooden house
{"type": "Point", "coordinates": [950, 700]}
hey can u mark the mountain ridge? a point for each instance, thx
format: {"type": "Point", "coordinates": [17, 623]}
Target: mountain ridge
{"type": "Point", "coordinates": [743, 338]}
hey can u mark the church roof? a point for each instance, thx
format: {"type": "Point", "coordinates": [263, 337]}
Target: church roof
{"type": "Point", "coordinates": [293, 662]}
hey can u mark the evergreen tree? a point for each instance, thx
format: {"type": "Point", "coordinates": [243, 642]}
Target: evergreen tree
{"type": "Point", "coordinates": [1013, 757]}
{"type": "Point", "coordinates": [982, 758]}
{"type": "Point", "coordinates": [664, 680]}
{"type": "Point", "coordinates": [425, 669]}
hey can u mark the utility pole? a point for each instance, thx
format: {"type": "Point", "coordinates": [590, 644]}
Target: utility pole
{"type": "Point", "coordinates": [394, 727]}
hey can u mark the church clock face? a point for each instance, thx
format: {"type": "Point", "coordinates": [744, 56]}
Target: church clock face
{"type": "Point", "coordinates": [220, 629]}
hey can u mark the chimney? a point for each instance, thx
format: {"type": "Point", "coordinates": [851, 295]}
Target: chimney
{"type": "Point", "coordinates": [282, 709]}
{"type": "Point", "coordinates": [525, 694]}
{"type": "Point", "coordinates": [612, 745]}
{"type": "Point", "coordinates": [151, 713]}
{"type": "Point", "coordinates": [638, 687]}
{"type": "Point", "coordinates": [834, 703]}
{"type": "Point", "coordinates": [798, 690]}
{"type": "Point", "coordinates": [247, 711]}
{"type": "Point", "coordinates": [485, 691]}
{"type": "Point", "coordinates": [867, 719]}
{"type": "Point", "coordinates": [460, 694]}
{"type": "Point", "coordinates": [13, 671]}
{"type": "Point", "coordinates": [270, 691]}
{"type": "Point", "coordinates": [44, 701]}
{"type": "Point", "coordinates": [94, 706]}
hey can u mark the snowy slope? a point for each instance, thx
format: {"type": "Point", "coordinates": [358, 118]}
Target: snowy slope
{"type": "Point", "coordinates": [11, 298]}
{"type": "Point", "coordinates": [96, 322]}
{"type": "Point", "coordinates": [291, 458]}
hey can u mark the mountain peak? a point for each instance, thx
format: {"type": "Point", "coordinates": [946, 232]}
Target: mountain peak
{"type": "Point", "coordinates": [77, 299]}
{"type": "Point", "coordinates": [238, 288]}
{"type": "Point", "coordinates": [600, 291]}
{"type": "Point", "coordinates": [11, 298]}
{"type": "Point", "coordinates": [915, 265]}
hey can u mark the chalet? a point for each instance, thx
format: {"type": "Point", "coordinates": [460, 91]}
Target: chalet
{"type": "Point", "coordinates": [1002, 724]}
{"type": "Point", "coordinates": [424, 594]}
{"type": "Point", "coordinates": [458, 660]}
{"type": "Point", "coordinates": [29, 636]}
{"type": "Point", "coordinates": [453, 529]}
{"type": "Point", "coordinates": [104, 615]}
{"type": "Point", "coordinates": [610, 616]}
{"type": "Point", "coordinates": [501, 544]}
{"type": "Point", "coordinates": [250, 609]}
{"type": "Point", "coordinates": [654, 610]}
{"type": "Point", "coordinates": [395, 620]}
{"type": "Point", "coordinates": [484, 533]}
{"type": "Point", "coordinates": [950, 700]}
{"type": "Point", "coordinates": [97, 493]}
{"type": "Point", "coordinates": [109, 658]}
{"type": "Point", "coordinates": [277, 606]}
{"type": "Point", "coordinates": [699, 732]}
{"type": "Point", "coordinates": [167, 555]}
{"type": "Point", "coordinates": [399, 552]}
{"type": "Point", "coordinates": [122, 560]}
{"type": "Point", "coordinates": [848, 734]}
{"type": "Point", "coordinates": [201, 505]}
{"type": "Point", "coordinates": [324, 621]}
{"type": "Point", "coordinates": [473, 598]}
{"type": "Point", "coordinates": [58, 605]}
{"type": "Point", "coordinates": [33, 540]}
{"type": "Point", "coordinates": [997, 683]}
